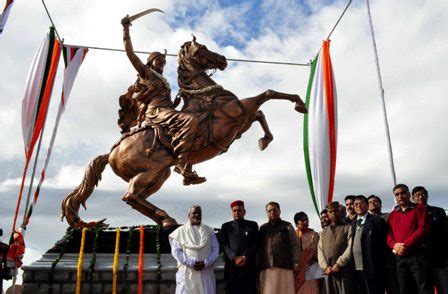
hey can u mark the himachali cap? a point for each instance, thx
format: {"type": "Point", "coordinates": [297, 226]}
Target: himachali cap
{"type": "Point", "coordinates": [236, 203]}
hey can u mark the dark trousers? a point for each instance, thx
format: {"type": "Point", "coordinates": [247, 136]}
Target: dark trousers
{"type": "Point", "coordinates": [364, 285]}
{"type": "Point", "coordinates": [241, 285]}
{"type": "Point", "coordinates": [440, 279]}
{"type": "Point", "coordinates": [339, 283]}
{"type": "Point", "coordinates": [390, 275]}
{"type": "Point", "coordinates": [412, 272]}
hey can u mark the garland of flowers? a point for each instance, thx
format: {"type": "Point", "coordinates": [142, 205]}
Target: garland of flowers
{"type": "Point", "coordinates": [128, 254]}
{"type": "Point", "coordinates": [140, 260]}
{"type": "Point", "coordinates": [159, 254]}
{"type": "Point", "coordinates": [80, 260]}
{"type": "Point", "coordinates": [67, 238]}
{"type": "Point", "coordinates": [94, 250]}
{"type": "Point", "coordinates": [115, 264]}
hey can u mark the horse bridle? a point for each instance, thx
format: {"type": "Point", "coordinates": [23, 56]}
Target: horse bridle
{"type": "Point", "coordinates": [189, 59]}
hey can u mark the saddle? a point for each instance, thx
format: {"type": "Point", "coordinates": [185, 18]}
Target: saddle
{"type": "Point", "coordinates": [129, 124]}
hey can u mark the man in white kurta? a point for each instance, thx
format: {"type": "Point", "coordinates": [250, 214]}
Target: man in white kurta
{"type": "Point", "coordinates": [195, 247]}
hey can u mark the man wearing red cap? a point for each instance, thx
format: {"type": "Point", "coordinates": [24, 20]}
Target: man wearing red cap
{"type": "Point", "coordinates": [239, 240]}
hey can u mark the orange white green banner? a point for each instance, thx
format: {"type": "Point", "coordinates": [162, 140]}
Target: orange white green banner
{"type": "Point", "coordinates": [320, 129]}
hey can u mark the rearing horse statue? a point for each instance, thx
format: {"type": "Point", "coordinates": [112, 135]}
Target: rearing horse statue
{"type": "Point", "coordinates": [222, 117]}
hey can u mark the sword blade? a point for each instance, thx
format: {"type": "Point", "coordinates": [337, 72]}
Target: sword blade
{"type": "Point", "coordinates": [138, 15]}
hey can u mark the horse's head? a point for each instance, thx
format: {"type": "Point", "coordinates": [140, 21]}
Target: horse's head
{"type": "Point", "coordinates": [196, 57]}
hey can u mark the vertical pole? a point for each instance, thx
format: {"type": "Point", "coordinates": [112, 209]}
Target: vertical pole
{"type": "Point", "coordinates": [380, 84]}
{"type": "Point", "coordinates": [36, 159]}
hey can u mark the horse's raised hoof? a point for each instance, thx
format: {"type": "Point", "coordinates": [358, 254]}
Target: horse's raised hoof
{"type": "Point", "coordinates": [169, 222]}
{"type": "Point", "coordinates": [99, 224]}
{"type": "Point", "coordinates": [300, 107]}
{"type": "Point", "coordinates": [264, 142]}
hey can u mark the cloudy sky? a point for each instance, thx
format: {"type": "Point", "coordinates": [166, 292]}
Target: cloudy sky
{"type": "Point", "coordinates": [411, 39]}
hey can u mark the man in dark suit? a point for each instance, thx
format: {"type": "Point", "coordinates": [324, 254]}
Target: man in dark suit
{"type": "Point", "coordinates": [239, 242]}
{"type": "Point", "coordinates": [368, 249]}
{"type": "Point", "coordinates": [437, 242]}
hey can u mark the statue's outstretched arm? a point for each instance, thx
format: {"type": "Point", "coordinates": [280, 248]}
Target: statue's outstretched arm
{"type": "Point", "coordinates": [136, 62]}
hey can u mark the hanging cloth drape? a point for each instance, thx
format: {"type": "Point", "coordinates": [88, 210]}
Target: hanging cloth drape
{"type": "Point", "coordinates": [73, 58]}
{"type": "Point", "coordinates": [5, 14]}
{"type": "Point", "coordinates": [38, 89]}
{"type": "Point", "coordinates": [320, 129]}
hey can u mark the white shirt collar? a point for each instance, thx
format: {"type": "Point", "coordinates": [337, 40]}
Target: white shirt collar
{"type": "Point", "coordinates": [362, 218]}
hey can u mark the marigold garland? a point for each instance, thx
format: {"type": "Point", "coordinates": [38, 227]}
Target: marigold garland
{"type": "Point", "coordinates": [94, 250]}
{"type": "Point", "coordinates": [140, 260]}
{"type": "Point", "coordinates": [80, 260]}
{"type": "Point", "coordinates": [159, 255]}
{"type": "Point", "coordinates": [115, 265]}
{"type": "Point", "coordinates": [67, 238]}
{"type": "Point", "coordinates": [128, 254]}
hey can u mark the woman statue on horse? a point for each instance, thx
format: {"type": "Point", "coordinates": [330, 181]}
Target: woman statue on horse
{"type": "Point", "coordinates": [153, 92]}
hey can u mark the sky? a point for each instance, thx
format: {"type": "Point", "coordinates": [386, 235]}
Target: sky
{"type": "Point", "coordinates": [411, 41]}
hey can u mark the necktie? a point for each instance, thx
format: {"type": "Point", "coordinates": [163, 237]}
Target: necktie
{"type": "Point", "coordinates": [359, 223]}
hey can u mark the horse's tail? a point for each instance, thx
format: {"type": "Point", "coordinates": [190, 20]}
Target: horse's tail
{"type": "Point", "coordinates": [71, 203]}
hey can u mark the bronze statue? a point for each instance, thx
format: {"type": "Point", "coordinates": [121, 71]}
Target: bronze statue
{"type": "Point", "coordinates": [157, 137]}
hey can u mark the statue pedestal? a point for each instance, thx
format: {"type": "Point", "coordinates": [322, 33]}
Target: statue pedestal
{"type": "Point", "coordinates": [42, 277]}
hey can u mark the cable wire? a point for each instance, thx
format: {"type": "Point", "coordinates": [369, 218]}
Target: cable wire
{"type": "Point", "coordinates": [340, 17]}
{"type": "Point", "coordinates": [175, 55]}
{"type": "Point", "coordinates": [52, 23]}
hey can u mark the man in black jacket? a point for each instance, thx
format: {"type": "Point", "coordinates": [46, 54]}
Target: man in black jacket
{"type": "Point", "coordinates": [368, 249]}
{"type": "Point", "coordinates": [438, 241]}
{"type": "Point", "coordinates": [239, 242]}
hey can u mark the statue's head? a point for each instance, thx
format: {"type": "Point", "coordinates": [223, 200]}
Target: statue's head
{"type": "Point", "coordinates": [156, 61]}
{"type": "Point", "coordinates": [200, 57]}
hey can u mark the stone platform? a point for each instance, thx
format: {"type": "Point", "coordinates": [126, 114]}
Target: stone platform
{"type": "Point", "coordinates": [47, 276]}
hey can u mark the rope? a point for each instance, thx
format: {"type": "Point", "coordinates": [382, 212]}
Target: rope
{"type": "Point", "coordinates": [52, 23]}
{"type": "Point", "coordinates": [175, 55]}
{"type": "Point", "coordinates": [383, 102]}
{"type": "Point", "coordinates": [115, 264]}
{"type": "Point", "coordinates": [340, 17]}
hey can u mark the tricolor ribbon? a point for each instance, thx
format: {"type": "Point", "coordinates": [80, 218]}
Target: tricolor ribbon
{"type": "Point", "coordinates": [320, 129]}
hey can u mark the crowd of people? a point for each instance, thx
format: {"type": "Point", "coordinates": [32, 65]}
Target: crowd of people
{"type": "Point", "coordinates": [360, 249]}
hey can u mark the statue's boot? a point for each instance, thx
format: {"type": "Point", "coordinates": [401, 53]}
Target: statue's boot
{"type": "Point", "coordinates": [190, 176]}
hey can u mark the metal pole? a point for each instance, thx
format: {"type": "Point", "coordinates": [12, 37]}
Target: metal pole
{"type": "Point", "coordinates": [380, 84]}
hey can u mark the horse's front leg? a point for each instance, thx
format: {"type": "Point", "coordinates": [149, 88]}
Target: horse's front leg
{"type": "Point", "coordinates": [256, 101]}
{"type": "Point", "coordinates": [299, 105]}
{"type": "Point", "coordinates": [268, 137]}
